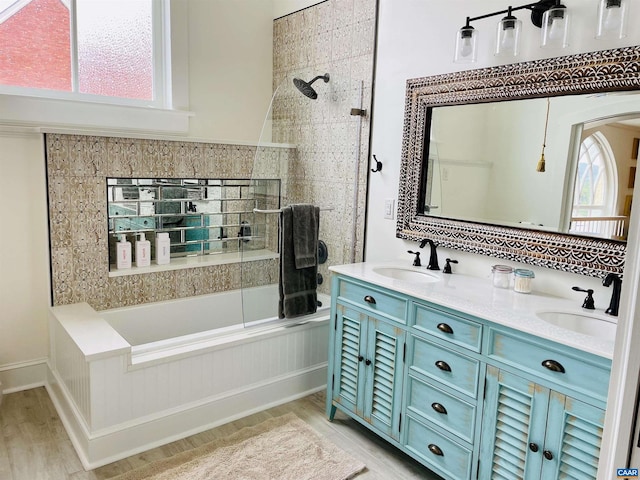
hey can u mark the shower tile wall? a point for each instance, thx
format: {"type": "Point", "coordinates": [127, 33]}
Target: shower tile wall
{"type": "Point", "coordinates": [335, 37]}
{"type": "Point", "coordinates": [77, 167]}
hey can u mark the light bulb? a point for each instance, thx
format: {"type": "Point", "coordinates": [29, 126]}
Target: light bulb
{"type": "Point", "coordinates": [508, 39]}
{"type": "Point", "coordinates": [556, 30]}
{"type": "Point", "coordinates": [466, 48]}
{"type": "Point", "coordinates": [612, 19]}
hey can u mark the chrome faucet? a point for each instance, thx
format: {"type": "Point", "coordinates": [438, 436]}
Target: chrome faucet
{"type": "Point", "coordinates": [433, 257]}
{"type": "Point", "coordinates": [614, 304]}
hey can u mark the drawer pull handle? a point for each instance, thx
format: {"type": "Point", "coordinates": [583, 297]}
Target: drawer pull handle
{"type": "Point", "coordinates": [367, 362]}
{"type": "Point", "coordinates": [444, 366]}
{"type": "Point", "coordinates": [548, 455]}
{"type": "Point", "coordinates": [444, 328]}
{"type": "Point", "coordinates": [435, 449]}
{"type": "Point", "coordinates": [533, 447]}
{"type": "Point", "coordinates": [370, 299]}
{"type": "Point", "coordinates": [360, 358]}
{"type": "Point", "coordinates": [553, 366]}
{"type": "Point", "coordinates": [439, 408]}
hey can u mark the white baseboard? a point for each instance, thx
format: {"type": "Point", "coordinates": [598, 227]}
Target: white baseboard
{"type": "Point", "coordinates": [19, 376]}
{"type": "Point", "coordinates": [98, 450]}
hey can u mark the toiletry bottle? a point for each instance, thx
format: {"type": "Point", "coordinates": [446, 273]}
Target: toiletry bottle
{"type": "Point", "coordinates": [143, 252]}
{"type": "Point", "coordinates": [123, 253]}
{"type": "Point", "coordinates": [163, 248]}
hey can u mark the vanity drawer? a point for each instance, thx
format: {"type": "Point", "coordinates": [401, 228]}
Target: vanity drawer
{"type": "Point", "coordinates": [442, 455]}
{"type": "Point", "coordinates": [373, 299]}
{"type": "Point", "coordinates": [441, 408]}
{"type": "Point", "coordinates": [458, 330]}
{"type": "Point", "coordinates": [582, 371]}
{"type": "Point", "coordinates": [451, 368]}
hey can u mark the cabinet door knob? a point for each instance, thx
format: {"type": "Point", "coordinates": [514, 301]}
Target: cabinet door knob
{"type": "Point", "coordinates": [360, 358]}
{"type": "Point", "coordinates": [533, 447]}
{"type": "Point", "coordinates": [444, 366]}
{"type": "Point", "coordinates": [367, 362]}
{"type": "Point", "coordinates": [370, 299]}
{"type": "Point", "coordinates": [438, 407]}
{"type": "Point", "coordinates": [548, 455]}
{"type": "Point", "coordinates": [435, 449]}
{"type": "Point", "coordinates": [553, 366]}
{"type": "Point", "coordinates": [444, 328]}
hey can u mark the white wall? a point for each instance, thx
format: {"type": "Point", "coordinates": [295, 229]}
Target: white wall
{"type": "Point", "coordinates": [285, 7]}
{"type": "Point", "coordinates": [416, 39]}
{"type": "Point", "coordinates": [230, 68]}
{"type": "Point", "coordinates": [24, 259]}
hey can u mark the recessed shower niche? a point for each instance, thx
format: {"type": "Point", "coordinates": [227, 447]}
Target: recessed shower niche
{"type": "Point", "coordinates": [201, 216]}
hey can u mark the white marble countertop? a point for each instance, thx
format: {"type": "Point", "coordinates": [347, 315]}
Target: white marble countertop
{"type": "Point", "coordinates": [478, 297]}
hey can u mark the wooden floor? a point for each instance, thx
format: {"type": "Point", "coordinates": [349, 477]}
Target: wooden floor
{"type": "Point", "coordinates": [35, 446]}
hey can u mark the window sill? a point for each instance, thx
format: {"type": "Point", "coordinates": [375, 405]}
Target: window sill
{"type": "Point", "coordinates": [48, 114]}
{"type": "Point", "coordinates": [197, 261]}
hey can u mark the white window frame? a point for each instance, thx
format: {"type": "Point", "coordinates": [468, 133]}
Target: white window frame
{"type": "Point", "coordinates": [55, 111]}
{"type": "Point", "coordinates": [611, 179]}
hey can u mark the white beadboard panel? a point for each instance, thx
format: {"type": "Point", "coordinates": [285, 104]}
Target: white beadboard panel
{"type": "Point", "coordinates": [120, 394]}
{"type": "Point", "coordinates": [69, 363]}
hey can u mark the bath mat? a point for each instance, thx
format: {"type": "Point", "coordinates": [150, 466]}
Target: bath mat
{"type": "Point", "coordinates": [280, 448]}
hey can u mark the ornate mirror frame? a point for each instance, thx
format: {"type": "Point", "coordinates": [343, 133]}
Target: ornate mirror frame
{"type": "Point", "coordinates": [607, 70]}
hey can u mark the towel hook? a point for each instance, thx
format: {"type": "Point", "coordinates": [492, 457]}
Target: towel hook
{"type": "Point", "coordinates": [378, 165]}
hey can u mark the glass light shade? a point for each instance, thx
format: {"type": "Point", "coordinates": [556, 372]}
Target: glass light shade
{"type": "Point", "coordinates": [555, 28]}
{"type": "Point", "coordinates": [508, 37]}
{"type": "Point", "coordinates": [612, 19]}
{"type": "Point", "coordinates": [466, 45]}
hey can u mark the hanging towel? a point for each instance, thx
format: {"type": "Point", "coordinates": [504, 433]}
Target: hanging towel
{"type": "Point", "coordinates": [297, 286]}
{"type": "Point", "coordinates": [305, 234]}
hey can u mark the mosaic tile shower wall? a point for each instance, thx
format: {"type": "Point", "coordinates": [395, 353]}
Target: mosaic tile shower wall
{"type": "Point", "coordinates": [335, 37]}
{"type": "Point", "coordinates": [77, 167]}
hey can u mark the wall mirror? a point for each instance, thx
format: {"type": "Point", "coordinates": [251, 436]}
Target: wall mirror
{"type": "Point", "coordinates": [472, 141]}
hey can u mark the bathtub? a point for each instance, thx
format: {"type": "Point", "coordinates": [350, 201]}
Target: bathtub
{"type": "Point", "coordinates": [130, 379]}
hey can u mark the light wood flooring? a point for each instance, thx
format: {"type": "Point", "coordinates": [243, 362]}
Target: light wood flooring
{"type": "Point", "coordinates": [35, 446]}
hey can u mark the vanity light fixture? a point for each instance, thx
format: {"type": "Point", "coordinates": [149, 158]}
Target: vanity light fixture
{"type": "Point", "coordinates": [549, 15]}
{"type": "Point", "coordinates": [612, 19]}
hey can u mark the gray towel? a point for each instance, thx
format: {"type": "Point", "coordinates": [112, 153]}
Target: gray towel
{"type": "Point", "coordinates": [297, 286]}
{"type": "Point", "coordinates": [305, 234]}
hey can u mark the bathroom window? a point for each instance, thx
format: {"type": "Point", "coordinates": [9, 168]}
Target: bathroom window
{"type": "Point", "coordinates": [596, 187]}
{"type": "Point", "coordinates": [91, 50]}
{"type": "Point", "coordinates": [596, 191]}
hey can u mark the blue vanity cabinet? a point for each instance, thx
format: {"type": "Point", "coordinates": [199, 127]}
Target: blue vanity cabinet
{"type": "Point", "coordinates": [466, 397]}
{"type": "Point", "coordinates": [366, 359]}
{"type": "Point", "coordinates": [532, 432]}
{"type": "Point", "coordinates": [544, 409]}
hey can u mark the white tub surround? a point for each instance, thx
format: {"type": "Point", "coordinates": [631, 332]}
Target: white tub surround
{"type": "Point", "coordinates": [478, 297]}
{"type": "Point", "coordinates": [117, 399]}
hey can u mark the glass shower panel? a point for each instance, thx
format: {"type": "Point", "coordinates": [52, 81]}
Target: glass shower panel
{"type": "Point", "coordinates": [313, 146]}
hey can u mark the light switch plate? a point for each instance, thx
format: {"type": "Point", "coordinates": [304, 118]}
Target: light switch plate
{"type": "Point", "coordinates": [388, 208]}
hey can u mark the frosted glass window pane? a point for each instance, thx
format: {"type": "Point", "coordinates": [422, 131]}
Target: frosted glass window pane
{"type": "Point", "coordinates": [35, 45]}
{"type": "Point", "coordinates": [115, 54]}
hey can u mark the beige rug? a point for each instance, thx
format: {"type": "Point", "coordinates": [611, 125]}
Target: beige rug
{"type": "Point", "coordinates": [280, 448]}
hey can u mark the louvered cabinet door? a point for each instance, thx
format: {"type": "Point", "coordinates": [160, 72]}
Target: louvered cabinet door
{"type": "Point", "coordinates": [513, 427]}
{"type": "Point", "coordinates": [349, 359]}
{"type": "Point", "coordinates": [574, 435]}
{"type": "Point", "coordinates": [383, 389]}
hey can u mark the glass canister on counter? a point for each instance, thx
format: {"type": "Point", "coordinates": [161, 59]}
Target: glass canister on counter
{"type": "Point", "coordinates": [522, 280]}
{"type": "Point", "coordinates": [502, 276]}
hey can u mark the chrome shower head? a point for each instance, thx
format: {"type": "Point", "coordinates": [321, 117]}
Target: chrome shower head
{"type": "Point", "coordinates": [306, 88]}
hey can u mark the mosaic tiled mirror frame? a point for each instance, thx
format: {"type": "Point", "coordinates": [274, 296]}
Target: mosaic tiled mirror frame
{"type": "Point", "coordinates": [607, 70]}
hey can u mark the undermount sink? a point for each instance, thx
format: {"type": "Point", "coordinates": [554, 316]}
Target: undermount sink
{"type": "Point", "coordinates": [406, 274]}
{"type": "Point", "coordinates": [582, 323]}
